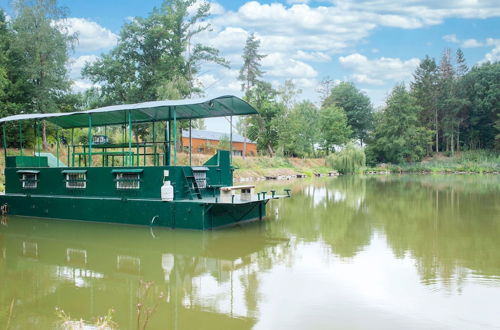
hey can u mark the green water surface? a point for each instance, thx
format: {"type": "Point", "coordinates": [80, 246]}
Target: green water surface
{"type": "Point", "coordinates": [389, 252]}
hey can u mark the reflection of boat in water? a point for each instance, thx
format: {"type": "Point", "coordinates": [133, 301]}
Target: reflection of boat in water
{"type": "Point", "coordinates": [205, 277]}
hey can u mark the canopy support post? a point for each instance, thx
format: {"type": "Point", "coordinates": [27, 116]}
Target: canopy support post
{"type": "Point", "coordinates": [4, 144]}
{"type": "Point", "coordinates": [90, 140]}
{"type": "Point", "coordinates": [175, 139]}
{"type": "Point", "coordinates": [57, 146]}
{"type": "Point", "coordinates": [21, 137]}
{"type": "Point", "coordinates": [154, 145]}
{"type": "Point", "coordinates": [72, 148]}
{"type": "Point", "coordinates": [190, 143]}
{"type": "Point", "coordinates": [231, 140]}
{"type": "Point", "coordinates": [169, 135]}
{"type": "Point", "coordinates": [130, 138]}
{"type": "Point", "coordinates": [38, 141]}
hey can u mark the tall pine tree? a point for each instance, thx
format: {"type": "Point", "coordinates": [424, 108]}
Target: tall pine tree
{"type": "Point", "coordinates": [250, 73]}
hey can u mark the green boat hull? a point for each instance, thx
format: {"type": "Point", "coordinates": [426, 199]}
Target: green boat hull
{"type": "Point", "coordinates": [150, 212]}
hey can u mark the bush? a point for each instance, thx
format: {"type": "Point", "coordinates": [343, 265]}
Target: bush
{"type": "Point", "coordinates": [351, 159]}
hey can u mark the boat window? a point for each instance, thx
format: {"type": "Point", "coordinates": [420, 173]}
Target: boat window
{"type": "Point", "coordinates": [29, 180]}
{"type": "Point", "coordinates": [76, 180]}
{"type": "Point", "coordinates": [128, 180]}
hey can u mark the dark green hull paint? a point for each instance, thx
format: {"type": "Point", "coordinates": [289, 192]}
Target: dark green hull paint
{"type": "Point", "coordinates": [101, 201]}
{"type": "Point", "coordinates": [190, 215]}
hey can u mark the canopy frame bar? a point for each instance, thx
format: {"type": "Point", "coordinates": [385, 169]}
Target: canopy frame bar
{"type": "Point", "coordinates": [221, 106]}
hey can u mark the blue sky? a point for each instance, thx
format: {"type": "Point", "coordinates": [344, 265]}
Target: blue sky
{"type": "Point", "coordinates": [373, 43]}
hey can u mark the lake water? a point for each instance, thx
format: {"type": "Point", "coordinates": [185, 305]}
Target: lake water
{"type": "Point", "coordinates": [389, 252]}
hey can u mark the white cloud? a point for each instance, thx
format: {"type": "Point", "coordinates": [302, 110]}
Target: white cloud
{"type": "Point", "coordinates": [494, 54]}
{"type": "Point", "coordinates": [292, 2]}
{"type": "Point", "coordinates": [91, 36]}
{"type": "Point", "coordinates": [451, 38]}
{"type": "Point", "coordinates": [79, 86]}
{"type": "Point", "coordinates": [76, 64]}
{"type": "Point", "coordinates": [312, 56]}
{"type": "Point", "coordinates": [378, 71]}
{"type": "Point", "coordinates": [471, 43]}
{"type": "Point", "coordinates": [280, 65]}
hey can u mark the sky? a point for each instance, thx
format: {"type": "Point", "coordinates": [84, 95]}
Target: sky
{"type": "Point", "coordinates": [373, 43]}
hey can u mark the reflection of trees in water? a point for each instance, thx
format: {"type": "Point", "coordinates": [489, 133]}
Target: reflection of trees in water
{"type": "Point", "coordinates": [449, 224]}
{"type": "Point", "coordinates": [331, 211]}
{"type": "Point", "coordinates": [445, 223]}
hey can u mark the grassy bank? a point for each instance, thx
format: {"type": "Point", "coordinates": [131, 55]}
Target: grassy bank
{"type": "Point", "coordinates": [479, 161]}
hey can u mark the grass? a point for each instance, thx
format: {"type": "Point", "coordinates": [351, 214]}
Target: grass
{"type": "Point", "coordinates": [476, 161]}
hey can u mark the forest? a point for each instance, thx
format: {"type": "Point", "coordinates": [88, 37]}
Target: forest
{"type": "Point", "coordinates": [448, 107]}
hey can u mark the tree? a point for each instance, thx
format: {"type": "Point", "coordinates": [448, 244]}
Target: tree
{"type": "Point", "coordinates": [446, 99]}
{"type": "Point", "coordinates": [482, 87]}
{"type": "Point", "coordinates": [264, 127]}
{"type": "Point", "coordinates": [461, 101]}
{"type": "Point", "coordinates": [250, 72]}
{"type": "Point", "coordinates": [4, 46]}
{"type": "Point", "coordinates": [154, 58]}
{"type": "Point", "coordinates": [356, 105]}
{"type": "Point", "coordinates": [497, 137]}
{"type": "Point", "coordinates": [335, 130]}
{"type": "Point", "coordinates": [424, 89]}
{"type": "Point", "coordinates": [40, 48]}
{"type": "Point", "coordinates": [150, 57]}
{"type": "Point", "coordinates": [398, 136]}
{"type": "Point", "coordinates": [299, 131]}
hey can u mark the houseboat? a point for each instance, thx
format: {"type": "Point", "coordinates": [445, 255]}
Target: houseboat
{"type": "Point", "coordinates": [130, 181]}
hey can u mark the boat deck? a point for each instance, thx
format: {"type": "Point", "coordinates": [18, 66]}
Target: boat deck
{"type": "Point", "coordinates": [237, 200]}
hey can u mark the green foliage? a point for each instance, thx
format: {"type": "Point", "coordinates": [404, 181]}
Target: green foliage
{"type": "Point", "coordinates": [474, 161]}
{"type": "Point", "coordinates": [398, 135]}
{"type": "Point", "coordinates": [224, 143]}
{"type": "Point", "coordinates": [350, 159]}
{"type": "Point", "coordinates": [299, 131]}
{"type": "Point", "coordinates": [497, 137]}
{"type": "Point", "coordinates": [334, 128]}
{"type": "Point", "coordinates": [356, 105]}
{"type": "Point", "coordinates": [150, 59]}
{"type": "Point", "coordinates": [264, 127]}
{"type": "Point", "coordinates": [40, 51]}
{"type": "Point", "coordinates": [250, 72]}
{"type": "Point", "coordinates": [482, 88]}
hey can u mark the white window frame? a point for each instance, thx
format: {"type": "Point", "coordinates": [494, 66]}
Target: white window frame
{"type": "Point", "coordinates": [71, 184]}
{"type": "Point", "coordinates": [31, 185]}
{"type": "Point", "coordinates": [128, 185]}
